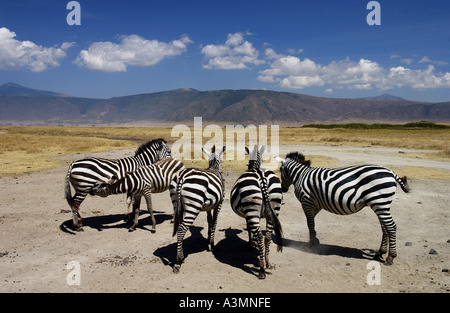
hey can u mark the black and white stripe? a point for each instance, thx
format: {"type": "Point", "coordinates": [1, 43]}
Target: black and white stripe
{"type": "Point", "coordinates": [154, 178]}
{"type": "Point", "coordinates": [344, 191]}
{"type": "Point", "coordinates": [257, 194]}
{"type": "Point", "coordinates": [87, 173]}
{"type": "Point", "coordinates": [193, 191]}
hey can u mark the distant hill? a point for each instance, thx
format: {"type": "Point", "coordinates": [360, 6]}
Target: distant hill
{"type": "Point", "coordinates": [384, 97]}
{"type": "Point", "coordinates": [12, 89]}
{"type": "Point", "coordinates": [217, 106]}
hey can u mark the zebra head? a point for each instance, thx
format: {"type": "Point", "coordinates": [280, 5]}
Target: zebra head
{"type": "Point", "coordinates": [152, 151]}
{"type": "Point", "coordinates": [255, 157]}
{"type": "Point", "coordinates": [285, 178]}
{"type": "Point", "coordinates": [163, 151]}
{"type": "Point", "coordinates": [290, 167]}
{"type": "Point", "coordinates": [214, 158]}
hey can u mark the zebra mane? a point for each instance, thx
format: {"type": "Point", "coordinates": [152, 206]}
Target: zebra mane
{"type": "Point", "coordinates": [153, 143]}
{"type": "Point", "coordinates": [298, 157]}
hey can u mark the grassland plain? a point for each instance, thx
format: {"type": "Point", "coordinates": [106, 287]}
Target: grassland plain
{"type": "Point", "coordinates": [30, 149]}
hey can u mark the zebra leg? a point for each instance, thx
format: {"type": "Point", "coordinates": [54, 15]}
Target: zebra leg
{"type": "Point", "coordinates": [75, 206]}
{"type": "Point", "coordinates": [136, 206]}
{"type": "Point", "coordinates": [182, 229]}
{"type": "Point", "coordinates": [267, 240]}
{"type": "Point", "coordinates": [260, 239]}
{"type": "Point", "coordinates": [383, 247]}
{"type": "Point", "coordinates": [389, 235]}
{"type": "Point", "coordinates": [148, 199]}
{"type": "Point", "coordinates": [251, 239]}
{"type": "Point", "coordinates": [210, 221]}
{"type": "Point", "coordinates": [310, 215]}
{"type": "Point", "coordinates": [130, 202]}
{"type": "Point", "coordinates": [213, 226]}
{"type": "Point", "coordinates": [77, 221]}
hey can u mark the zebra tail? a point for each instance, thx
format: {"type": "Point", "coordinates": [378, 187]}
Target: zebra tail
{"type": "Point", "coordinates": [273, 216]}
{"type": "Point", "coordinates": [403, 182]}
{"type": "Point", "coordinates": [276, 225]}
{"type": "Point", "coordinates": [178, 212]}
{"type": "Point", "coordinates": [67, 191]}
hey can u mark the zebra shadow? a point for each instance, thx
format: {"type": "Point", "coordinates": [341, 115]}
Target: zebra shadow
{"type": "Point", "coordinates": [194, 242]}
{"type": "Point", "coordinates": [326, 249]}
{"type": "Point", "coordinates": [236, 252]}
{"type": "Point", "coordinates": [114, 221]}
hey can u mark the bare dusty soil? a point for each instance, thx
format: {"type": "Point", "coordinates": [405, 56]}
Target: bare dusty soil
{"type": "Point", "coordinates": [37, 242]}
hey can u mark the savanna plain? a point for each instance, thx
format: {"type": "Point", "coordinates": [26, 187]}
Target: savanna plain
{"type": "Point", "coordinates": [37, 241]}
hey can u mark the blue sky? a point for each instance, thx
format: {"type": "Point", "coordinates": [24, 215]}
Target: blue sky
{"type": "Point", "coordinates": [320, 48]}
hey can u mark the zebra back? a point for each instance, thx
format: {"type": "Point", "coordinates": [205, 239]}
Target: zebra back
{"type": "Point", "coordinates": [342, 190]}
{"type": "Point", "coordinates": [267, 184]}
{"type": "Point", "coordinates": [85, 174]}
{"type": "Point", "coordinates": [209, 179]}
{"type": "Point", "coordinates": [155, 178]}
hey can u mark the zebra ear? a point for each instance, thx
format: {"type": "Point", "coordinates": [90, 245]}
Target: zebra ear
{"type": "Point", "coordinates": [206, 152]}
{"type": "Point", "coordinates": [262, 149]}
{"type": "Point", "coordinates": [247, 150]}
{"type": "Point", "coordinates": [279, 160]}
{"type": "Point", "coordinates": [222, 151]}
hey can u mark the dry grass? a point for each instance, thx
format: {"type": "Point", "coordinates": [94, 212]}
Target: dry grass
{"type": "Point", "coordinates": [28, 149]}
{"type": "Point", "coordinates": [422, 172]}
{"type": "Point", "coordinates": [423, 139]}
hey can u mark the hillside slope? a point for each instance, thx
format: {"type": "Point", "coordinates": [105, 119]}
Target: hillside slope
{"type": "Point", "coordinates": [221, 106]}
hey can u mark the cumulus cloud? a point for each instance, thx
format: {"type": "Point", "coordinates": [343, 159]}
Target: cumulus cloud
{"type": "Point", "coordinates": [16, 54]}
{"type": "Point", "coordinates": [132, 50]}
{"type": "Point", "coordinates": [236, 53]}
{"type": "Point", "coordinates": [291, 72]}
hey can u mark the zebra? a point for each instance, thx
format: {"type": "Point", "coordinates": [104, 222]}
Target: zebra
{"type": "Point", "coordinates": [85, 174]}
{"type": "Point", "coordinates": [344, 191]}
{"type": "Point", "coordinates": [153, 178]}
{"type": "Point", "coordinates": [257, 194]}
{"type": "Point", "coordinates": [196, 190]}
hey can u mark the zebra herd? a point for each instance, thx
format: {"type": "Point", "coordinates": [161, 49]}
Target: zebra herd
{"type": "Point", "coordinates": [256, 194]}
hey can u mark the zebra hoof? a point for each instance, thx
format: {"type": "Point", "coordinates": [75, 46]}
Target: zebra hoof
{"type": "Point", "coordinates": [389, 261]}
{"type": "Point", "coordinates": [378, 257]}
{"type": "Point", "coordinates": [262, 274]}
{"type": "Point", "coordinates": [176, 268]}
{"type": "Point", "coordinates": [78, 228]}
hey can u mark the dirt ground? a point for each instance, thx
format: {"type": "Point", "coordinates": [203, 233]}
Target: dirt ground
{"type": "Point", "coordinates": [38, 246]}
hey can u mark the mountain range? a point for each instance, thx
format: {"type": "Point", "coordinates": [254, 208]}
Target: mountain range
{"type": "Point", "coordinates": [22, 105]}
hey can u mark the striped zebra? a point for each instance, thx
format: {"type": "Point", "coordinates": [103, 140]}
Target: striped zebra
{"type": "Point", "coordinates": [154, 178]}
{"type": "Point", "coordinates": [193, 191]}
{"type": "Point", "coordinates": [257, 194]}
{"type": "Point", "coordinates": [87, 173]}
{"type": "Point", "coordinates": [344, 191]}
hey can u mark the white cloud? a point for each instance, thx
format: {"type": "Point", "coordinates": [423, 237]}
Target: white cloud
{"type": "Point", "coordinates": [236, 53]}
{"type": "Point", "coordinates": [426, 59]}
{"type": "Point", "coordinates": [16, 54]}
{"type": "Point", "coordinates": [407, 60]}
{"type": "Point", "coordinates": [292, 72]}
{"type": "Point", "coordinates": [131, 50]}
{"type": "Point", "coordinates": [299, 82]}
{"type": "Point", "coordinates": [417, 79]}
